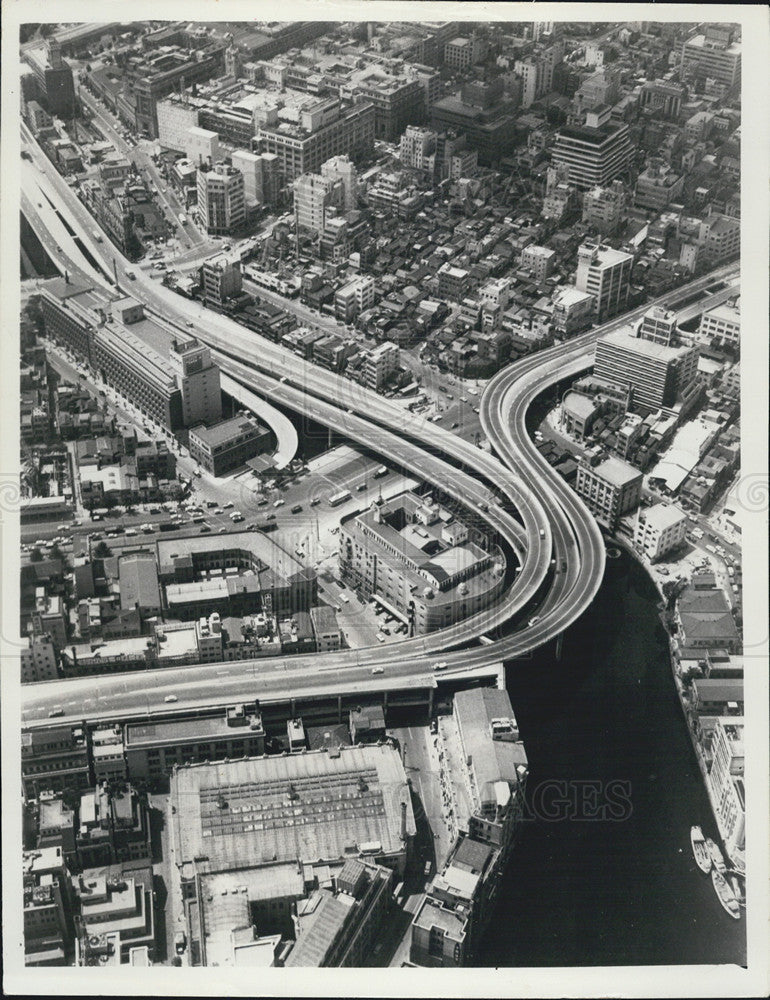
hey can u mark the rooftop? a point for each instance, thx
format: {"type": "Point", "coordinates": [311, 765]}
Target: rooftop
{"type": "Point", "coordinates": [307, 806]}
{"type": "Point", "coordinates": [662, 515]}
{"type": "Point", "coordinates": [226, 430]}
{"type": "Point", "coordinates": [617, 472]}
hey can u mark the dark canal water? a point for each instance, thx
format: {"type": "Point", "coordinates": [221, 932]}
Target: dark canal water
{"type": "Point", "coordinates": [628, 892]}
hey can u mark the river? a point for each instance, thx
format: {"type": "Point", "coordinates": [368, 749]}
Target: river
{"type": "Point", "coordinates": [599, 892]}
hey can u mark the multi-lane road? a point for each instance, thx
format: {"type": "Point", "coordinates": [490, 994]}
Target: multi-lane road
{"type": "Point", "coordinates": [557, 539]}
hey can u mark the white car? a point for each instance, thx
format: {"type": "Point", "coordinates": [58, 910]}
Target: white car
{"type": "Point", "coordinates": [533, 621]}
{"type": "Point", "coordinates": [441, 665]}
{"type": "Point", "coordinates": [170, 697]}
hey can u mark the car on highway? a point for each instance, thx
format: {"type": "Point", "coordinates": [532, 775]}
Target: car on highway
{"type": "Point", "coordinates": [170, 698]}
{"type": "Point", "coordinates": [380, 637]}
{"type": "Point", "coordinates": [533, 621]}
{"type": "Point", "coordinates": [440, 665]}
{"type": "Point", "coordinates": [56, 712]}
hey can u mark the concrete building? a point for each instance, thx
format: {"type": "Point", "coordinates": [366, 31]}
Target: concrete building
{"type": "Point", "coordinates": [55, 87]}
{"type": "Point", "coordinates": [313, 196]}
{"type": "Point", "coordinates": [720, 239]}
{"type": "Point", "coordinates": [152, 751]}
{"type": "Point", "coordinates": [662, 98]}
{"type": "Point", "coordinates": [325, 628]}
{"type": "Point", "coordinates": [341, 169]}
{"type": "Point", "coordinates": [47, 925]}
{"type": "Point", "coordinates": [221, 202]}
{"type": "Point", "coordinates": [108, 754]}
{"type": "Point", "coordinates": [573, 310]}
{"type": "Point", "coordinates": [39, 661]}
{"type": "Point", "coordinates": [609, 487]}
{"type": "Point", "coordinates": [201, 146]}
{"type": "Point", "coordinates": [450, 921]}
{"type": "Point", "coordinates": [54, 758]}
{"type": "Point", "coordinates": [354, 297]}
{"type": "Point", "coordinates": [658, 375]}
{"type": "Point", "coordinates": [726, 784]}
{"type": "Point", "coordinates": [606, 274]}
{"type": "Point", "coordinates": [221, 278]}
{"type": "Point", "coordinates": [380, 363]}
{"type": "Point", "coordinates": [138, 582]}
{"type": "Point", "coordinates": [713, 54]}
{"type": "Point", "coordinates": [462, 52]}
{"type": "Point", "coordinates": [659, 325]}
{"type": "Point", "coordinates": [593, 154]}
{"type": "Point", "coordinates": [605, 207]}
{"type": "Point", "coordinates": [418, 561]}
{"type": "Point", "coordinates": [324, 130]}
{"type": "Point", "coordinates": [415, 146]}
{"type": "Point", "coordinates": [659, 530]}
{"type": "Point", "coordinates": [247, 859]}
{"type": "Point", "coordinates": [722, 323]}
{"type": "Point", "coordinates": [341, 928]}
{"type": "Point", "coordinates": [539, 261]}
{"type": "Point", "coordinates": [483, 113]}
{"type": "Point", "coordinates": [120, 912]}
{"type": "Point", "coordinates": [198, 379]}
{"type": "Point", "coordinates": [229, 444]}
{"type": "Point", "coordinates": [657, 186]}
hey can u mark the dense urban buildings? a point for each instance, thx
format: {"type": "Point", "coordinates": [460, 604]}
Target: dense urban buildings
{"type": "Point", "coordinates": [381, 355]}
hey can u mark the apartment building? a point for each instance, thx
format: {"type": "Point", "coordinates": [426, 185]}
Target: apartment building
{"type": "Point", "coordinates": [609, 487]}
{"type": "Point", "coordinates": [606, 274]}
{"type": "Point", "coordinates": [379, 365]}
{"type": "Point", "coordinates": [314, 195]}
{"type": "Point", "coordinates": [659, 530]}
{"type": "Point", "coordinates": [539, 261]}
{"type": "Point", "coordinates": [354, 297]}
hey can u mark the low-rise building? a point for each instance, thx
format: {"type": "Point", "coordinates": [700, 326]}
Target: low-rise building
{"type": "Point", "coordinates": [229, 444]}
{"type": "Point", "coordinates": [659, 530]}
{"type": "Point", "coordinates": [609, 487]}
{"type": "Point", "coordinates": [54, 758]}
{"type": "Point", "coordinates": [39, 659]}
{"type": "Point", "coordinates": [326, 628]}
{"type": "Point", "coordinates": [48, 927]}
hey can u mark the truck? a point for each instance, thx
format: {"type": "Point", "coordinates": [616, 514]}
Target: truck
{"type": "Point", "coordinates": [337, 498]}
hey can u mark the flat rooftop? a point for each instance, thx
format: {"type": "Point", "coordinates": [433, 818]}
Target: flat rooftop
{"type": "Point", "coordinates": [226, 430]}
{"type": "Point", "coordinates": [146, 734]}
{"type": "Point", "coordinates": [307, 806]}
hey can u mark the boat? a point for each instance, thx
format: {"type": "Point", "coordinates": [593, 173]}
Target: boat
{"type": "Point", "coordinates": [738, 889]}
{"type": "Point", "coordinates": [699, 849]}
{"type": "Point", "coordinates": [725, 895]}
{"type": "Point", "coordinates": [716, 856]}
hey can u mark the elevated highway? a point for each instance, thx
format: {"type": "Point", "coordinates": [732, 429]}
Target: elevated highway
{"type": "Point", "coordinates": [558, 541]}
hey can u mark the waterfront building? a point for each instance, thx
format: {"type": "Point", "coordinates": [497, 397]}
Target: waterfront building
{"type": "Point", "coordinates": [606, 274]}
{"type": "Point", "coordinates": [659, 530]}
{"type": "Point", "coordinates": [609, 487]}
{"type": "Point", "coordinates": [705, 620]}
{"type": "Point", "coordinates": [227, 445]}
{"type": "Point", "coordinates": [419, 562]}
{"type": "Point", "coordinates": [726, 783]}
{"type": "Point", "coordinates": [658, 375]}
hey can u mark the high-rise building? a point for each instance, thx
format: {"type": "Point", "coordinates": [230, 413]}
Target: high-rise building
{"type": "Point", "coordinates": [342, 169]}
{"type": "Point", "coordinates": [606, 274]}
{"type": "Point", "coordinates": [416, 145]}
{"type": "Point", "coordinates": [55, 85]}
{"type": "Point", "coordinates": [726, 783]}
{"type": "Point", "coordinates": [313, 196]}
{"type": "Point", "coordinates": [594, 153]}
{"type": "Point", "coordinates": [198, 378]}
{"type": "Point", "coordinates": [202, 146]}
{"type": "Point", "coordinates": [221, 204]}
{"type": "Point", "coordinates": [658, 375]}
{"type": "Point", "coordinates": [221, 278]}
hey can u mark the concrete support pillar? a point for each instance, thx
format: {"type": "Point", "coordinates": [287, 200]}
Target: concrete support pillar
{"type": "Point", "coordinates": [339, 708]}
{"type": "Point", "coordinates": [430, 702]}
{"type": "Point", "coordinates": [559, 645]}
{"type": "Point", "coordinates": [384, 701]}
{"type": "Point", "coordinates": [293, 708]}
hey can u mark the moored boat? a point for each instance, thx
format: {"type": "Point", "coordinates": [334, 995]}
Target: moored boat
{"type": "Point", "coordinates": [725, 895]}
{"type": "Point", "coordinates": [700, 851]}
{"type": "Point", "coordinates": [716, 856]}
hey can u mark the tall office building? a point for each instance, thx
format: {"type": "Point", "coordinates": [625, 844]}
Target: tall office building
{"type": "Point", "coordinates": [313, 196]}
{"type": "Point", "coordinates": [594, 153]}
{"type": "Point", "coordinates": [606, 274]}
{"type": "Point", "coordinates": [714, 54]}
{"type": "Point", "coordinates": [221, 203]}
{"type": "Point", "coordinates": [54, 82]}
{"type": "Point", "coordinates": [604, 207]}
{"type": "Point", "coordinates": [198, 379]}
{"type": "Point", "coordinates": [658, 375]}
{"type": "Point", "coordinates": [342, 169]}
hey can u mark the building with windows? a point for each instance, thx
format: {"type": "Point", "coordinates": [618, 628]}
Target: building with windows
{"type": "Point", "coordinates": [663, 98]}
{"type": "Point", "coordinates": [229, 444]}
{"type": "Point", "coordinates": [722, 323]}
{"type": "Point", "coordinates": [221, 202]}
{"type": "Point", "coordinates": [314, 194]}
{"type": "Point", "coordinates": [539, 261]}
{"type": "Point", "coordinates": [483, 114]}
{"type": "Point", "coordinates": [659, 530]}
{"type": "Point", "coordinates": [325, 129]}
{"type": "Point", "coordinates": [325, 628]}
{"type": "Point", "coordinates": [419, 562]}
{"type": "Point", "coordinates": [39, 660]}
{"type": "Point", "coordinates": [609, 487]}
{"type": "Point", "coordinates": [726, 784]}
{"type": "Point", "coordinates": [712, 54]}
{"type": "Point", "coordinates": [379, 364]}
{"type": "Point", "coordinates": [463, 52]}
{"type": "Point", "coordinates": [606, 274]}
{"type": "Point", "coordinates": [221, 278]}
{"type": "Point", "coordinates": [354, 297]}
{"type": "Point", "coordinates": [198, 380]}
{"type": "Point", "coordinates": [657, 185]}
{"type": "Point", "coordinates": [48, 927]}
{"type": "Point", "coordinates": [594, 153]}
{"type": "Point", "coordinates": [415, 146]}
{"type": "Point", "coordinates": [397, 98]}
{"type": "Point", "coordinates": [201, 146]}
{"type": "Point", "coordinates": [657, 374]}
{"type": "Point", "coordinates": [659, 325]}
{"type": "Point", "coordinates": [720, 239]}
{"type": "Point", "coordinates": [138, 582]}
{"type": "Point", "coordinates": [573, 310]}
{"type": "Point", "coordinates": [54, 83]}
{"type": "Point", "coordinates": [54, 758]}
{"type": "Point", "coordinates": [605, 207]}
